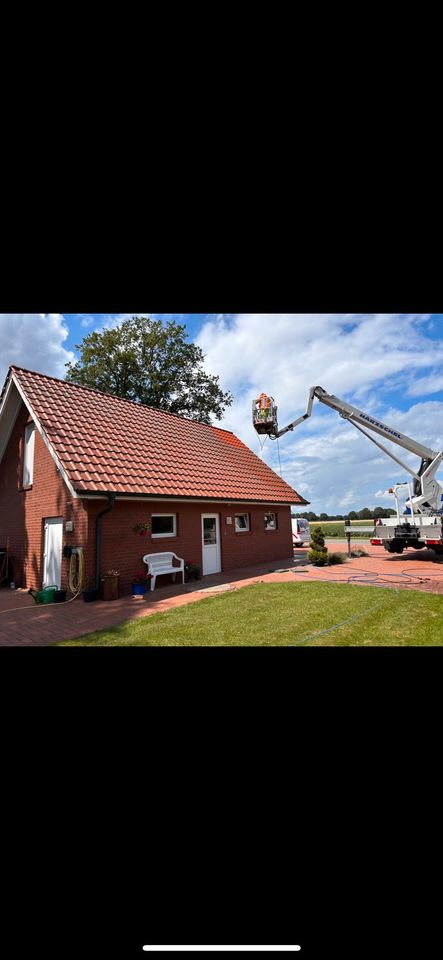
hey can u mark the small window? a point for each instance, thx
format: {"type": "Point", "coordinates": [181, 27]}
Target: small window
{"type": "Point", "coordinates": [28, 459]}
{"type": "Point", "coordinates": [270, 521]}
{"type": "Point", "coordinates": [241, 522]}
{"type": "Point", "coordinates": [164, 524]}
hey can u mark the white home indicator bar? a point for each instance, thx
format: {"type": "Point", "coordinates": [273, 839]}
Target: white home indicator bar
{"type": "Point", "coordinates": [243, 949]}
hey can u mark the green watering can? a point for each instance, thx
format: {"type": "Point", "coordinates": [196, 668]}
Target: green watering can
{"type": "Point", "coordinates": [44, 596]}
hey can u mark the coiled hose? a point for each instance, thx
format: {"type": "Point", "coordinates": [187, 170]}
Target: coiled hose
{"type": "Point", "coordinates": [76, 579]}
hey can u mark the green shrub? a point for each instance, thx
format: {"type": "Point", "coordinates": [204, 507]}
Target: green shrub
{"type": "Point", "coordinates": [318, 554]}
{"type": "Point", "coordinates": [335, 558]}
{"type": "Point", "coordinates": [359, 553]}
{"type": "Point", "coordinates": [317, 558]}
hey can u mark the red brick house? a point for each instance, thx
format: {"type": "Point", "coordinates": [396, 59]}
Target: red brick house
{"type": "Point", "coordinates": [82, 468]}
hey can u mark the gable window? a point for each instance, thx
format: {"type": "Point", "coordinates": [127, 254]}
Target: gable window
{"type": "Point", "coordinates": [270, 521]}
{"type": "Point", "coordinates": [164, 525]}
{"type": "Point", "coordinates": [28, 458]}
{"type": "Point", "coordinates": [242, 524]}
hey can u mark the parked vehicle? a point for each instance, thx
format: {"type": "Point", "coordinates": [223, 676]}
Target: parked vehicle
{"type": "Point", "coordinates": [300, 531]}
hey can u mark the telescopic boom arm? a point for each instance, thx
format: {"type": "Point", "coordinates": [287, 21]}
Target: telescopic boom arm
{"type": "Point", "coordinates": [427, 491]}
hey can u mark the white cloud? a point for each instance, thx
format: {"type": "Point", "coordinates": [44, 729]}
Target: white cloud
{"type": "Point", "coordinates": [433, 383]}
{"type": "Point", "coordinates": [372, 361]}
{"type": "Point", "coordinates": [365, 359]}
{"type": "Point", "coordinates": [34, 341]}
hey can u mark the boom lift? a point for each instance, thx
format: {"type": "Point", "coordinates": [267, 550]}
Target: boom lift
{"type": "Point", "coordinates": [421, 526]}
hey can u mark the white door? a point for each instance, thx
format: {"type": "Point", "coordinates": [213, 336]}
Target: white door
{"type": "Point", "coordinates": [52, 553]}
{"type": "Point", "coordinates": [211, 543]}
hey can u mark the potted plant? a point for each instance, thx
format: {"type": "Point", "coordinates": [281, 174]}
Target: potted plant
{"type": "Point", "coordinates": [109, 585]}
{"type": "Point", "coordinates": [141, 583]}
{"type": "Point", "coordinates": [90, 594]}
{"type": "Point", "coordinates": [142, 528]}
{"type": "Point", "coordinates": [192, 571]}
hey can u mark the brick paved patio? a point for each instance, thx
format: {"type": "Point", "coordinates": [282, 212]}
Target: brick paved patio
{"type": "Point", "coordinates": [23, 623]}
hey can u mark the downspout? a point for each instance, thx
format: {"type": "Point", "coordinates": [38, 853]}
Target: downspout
{"type": "Point", "coordinates": [98, 530]}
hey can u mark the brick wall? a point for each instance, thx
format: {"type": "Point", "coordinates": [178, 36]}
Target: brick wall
{"type": "Point", "coordinates": [23, 511]}
{"type": "Point", "coordinates": [123, 549]}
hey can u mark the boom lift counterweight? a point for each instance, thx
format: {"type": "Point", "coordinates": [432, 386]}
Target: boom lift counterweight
{"type": "Point", "coordinates": [423, 526]}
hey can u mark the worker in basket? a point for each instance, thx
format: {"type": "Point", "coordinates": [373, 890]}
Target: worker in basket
{"type": "Point", "coordinates": [263, 406]}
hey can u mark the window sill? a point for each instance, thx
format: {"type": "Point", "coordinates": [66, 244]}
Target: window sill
{"type": "Point", "coordinates": [25, 487]}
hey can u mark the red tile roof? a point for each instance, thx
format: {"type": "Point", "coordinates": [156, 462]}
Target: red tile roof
{"type": "Point", "coordinates": [108, 444]}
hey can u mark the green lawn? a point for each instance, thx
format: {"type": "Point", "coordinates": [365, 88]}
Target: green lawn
{"type": "Point", "coordinates": [282, 614]}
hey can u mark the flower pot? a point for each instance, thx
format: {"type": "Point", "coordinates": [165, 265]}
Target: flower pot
{"type": "Point", "coordinates": [109, 588]}
{"type": "Point", "coordinates": [90, 595]}
{"type": "Point", "coordinates": [138, 589]}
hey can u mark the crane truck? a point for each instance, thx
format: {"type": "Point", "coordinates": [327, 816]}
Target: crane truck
{"type": "Point", "coordinates": [421, 524]}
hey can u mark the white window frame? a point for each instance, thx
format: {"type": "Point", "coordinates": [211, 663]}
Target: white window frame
{"type": "Point", "coordinates": [28, 455]}
{"type": "Point", "coordinates": [242, 529]}
{"type": "Point", "coordinates": [272, 528]}
{"type": "Point", "coordinates": [160, 536]}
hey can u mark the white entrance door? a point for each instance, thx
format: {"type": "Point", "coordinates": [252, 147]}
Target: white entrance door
{"type": "Point", "coordinates": [52, 553]}
{"type": "Point", "coordinates": [211, 543]}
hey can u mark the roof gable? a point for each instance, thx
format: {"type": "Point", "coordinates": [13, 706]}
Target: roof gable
{"type": "Point", "coordinates": [106, 444]}
{"type": "Point", "coordinates": [11, 402]}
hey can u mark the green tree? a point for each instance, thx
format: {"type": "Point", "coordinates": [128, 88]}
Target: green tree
{"type": "Point", "coordinates": [323, 516]}
{"type": "Point", "coordinates": [152, 363]}
{"type": "Point", "coordinates": [352, 515]}
{"type": "Point", "coordinates": [365, 514]}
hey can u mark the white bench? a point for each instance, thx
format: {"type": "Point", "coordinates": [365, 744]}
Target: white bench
{"type": "Point", "coordinates": [158, 563]}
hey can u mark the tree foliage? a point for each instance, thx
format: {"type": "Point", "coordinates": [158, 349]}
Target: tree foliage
{"type": "Point", "coordinates": [151, 363]}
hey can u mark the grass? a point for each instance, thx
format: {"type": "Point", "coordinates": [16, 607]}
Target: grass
{"type": "Point", "coordinates": [282, 614]}
{"type": "Point", "coordinates": [336, 528]}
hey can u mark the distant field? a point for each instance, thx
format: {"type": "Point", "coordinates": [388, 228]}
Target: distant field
{"type": "Point", "coordinates": [336, 528]}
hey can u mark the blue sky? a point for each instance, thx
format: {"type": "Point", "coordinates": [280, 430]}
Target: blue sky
{"type": "Point", "coordinates": [390, 365]}
{"type": "Point", "coordinates": [81, 324]}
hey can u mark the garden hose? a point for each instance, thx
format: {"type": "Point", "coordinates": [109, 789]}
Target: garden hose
{"type": "Point", "coordinates": [76, 579]}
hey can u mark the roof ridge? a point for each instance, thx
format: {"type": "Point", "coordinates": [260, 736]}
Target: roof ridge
{"type": "Point", "coordinates": [113, 396]}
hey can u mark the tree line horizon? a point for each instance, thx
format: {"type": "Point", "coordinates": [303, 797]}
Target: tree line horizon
{"type": "Point", "coordinates": [365, 514]}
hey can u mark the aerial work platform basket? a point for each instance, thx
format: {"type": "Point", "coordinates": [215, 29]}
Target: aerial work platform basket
{"type": "Point", "coordinates": [264, 415]}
